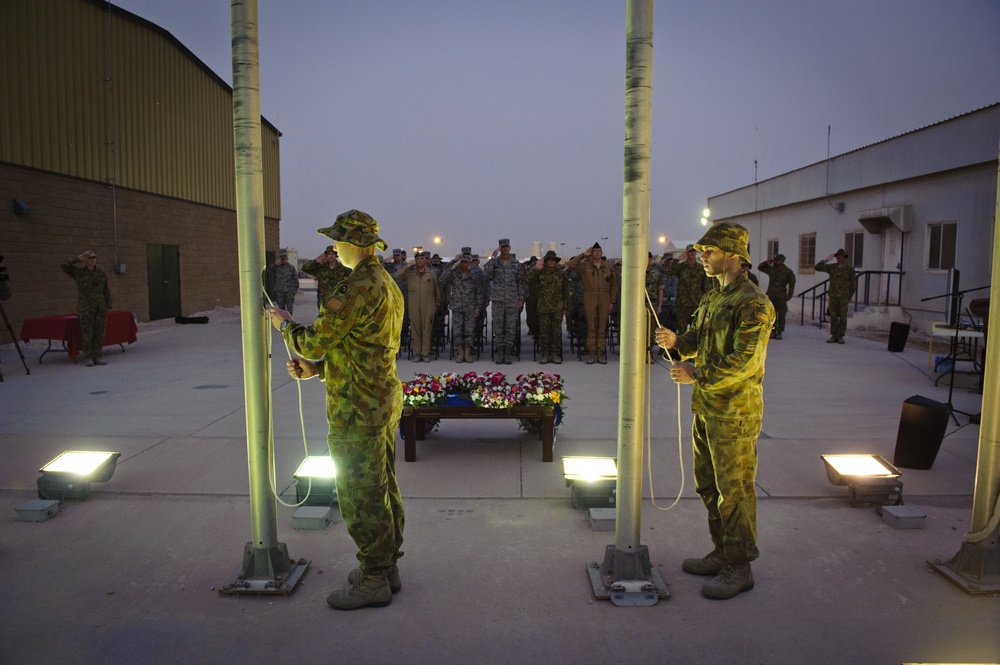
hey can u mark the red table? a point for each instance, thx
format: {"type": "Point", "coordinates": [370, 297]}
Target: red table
{"type": "Point", "coordinates": [65, 328]}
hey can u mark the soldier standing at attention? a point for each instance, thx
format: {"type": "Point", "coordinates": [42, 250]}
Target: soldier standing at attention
{"type": "Point", "coordinates": [600, 290]}
{"type": "Point", "coordinates": [419, 283]}
{"type": "Point", "coordinates": [780, 289]}
{"type": "Point", "coordinates": [509, 291]}
{"type": "Point", "coordinates": [286, 284]}
{"type": "Point", "coordinates": [728, 340]}
{"type": "Point", "coordinates": [328, 270]}
{"type": "Point", "coordinates": [691, 285]}
{"type": "Point", "coordinates": [654, 289]}
{"type": "Point", "coordinates": [352, 347]}
{"type": "Point", "coordinates": [466, 294]}
{"type": "Point", "coordinates": [551, 286]}
{"type": "Point", "coordinates": [93, 300]}
{"type": "Point", "coordinates": [843, 283]}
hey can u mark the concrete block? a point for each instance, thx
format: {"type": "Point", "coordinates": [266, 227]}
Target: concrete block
{"type": "Point", "coordinates": [38, 510]}
{"type": "Point", "coordinates": [903, 517]}
{"type": "Point", "coordinates": [602, 519]}
{"type": "Point", "coordinates": [311, 517]}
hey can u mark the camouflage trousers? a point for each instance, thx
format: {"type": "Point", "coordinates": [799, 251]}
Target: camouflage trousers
{"type": "Point", "coordinates": [285, 300]}
{"type": "Point", "coordinates": [368, 494]}
{"type": "Point", "coordinates": [506, 322]}
{"type": "Point", "coordinates": [550, 332]}
{"type": "Point", "coordinates": [837, 309]}
{"type": "Point", "coordinates": [725, 467]}
{"type": "Point", "coordinates": [685, 313]}
{"type": "Point", "coordinates": [463, 327]}
{"type": "Point", "coordinates": [93, 321]}
{"type": "Point", "coordinates": [780, 311]}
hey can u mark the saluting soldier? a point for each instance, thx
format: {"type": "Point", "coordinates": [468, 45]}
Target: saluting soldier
{"type": "Point", "coordinates": [780, 289]}
{"type": "Point", "coordinates": [352, 347]}
{"type": "Point", "coordinates": [728, 342]}
{"type": "Point", "coordinates": [600, 291]}
{"type": "Point", "coordinates": [843, 283]}
{"type": "Point", "coordinates": [328, 270]}
{"type": "Point", "coordinates": [93, 300]}
{"type": "Point", "coordinates": [419, 283]}
{"type": "Point", "coordinates": [551, 286]}
{"type": "Point", "coordinates": [691, 285]}
{"type": "Point", "coordinates": [654, 289]}
{"type": "Point", "coordinates": [466, 285]}
{"type": "Point", "coordinates": [509, 292]}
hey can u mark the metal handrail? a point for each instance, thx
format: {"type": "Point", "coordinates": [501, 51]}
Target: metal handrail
{"type": "Point", "coordinates": [865, 277]}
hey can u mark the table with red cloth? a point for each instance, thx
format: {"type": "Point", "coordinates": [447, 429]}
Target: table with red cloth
{"type": "Point", "coordinates": [65, 328]}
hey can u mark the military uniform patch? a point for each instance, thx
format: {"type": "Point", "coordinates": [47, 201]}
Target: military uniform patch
{"type": "Point", "coordinates": [335, 303]}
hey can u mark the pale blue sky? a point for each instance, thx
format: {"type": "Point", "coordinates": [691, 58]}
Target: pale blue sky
{"type": "Point", "coordinates": [481, 119]}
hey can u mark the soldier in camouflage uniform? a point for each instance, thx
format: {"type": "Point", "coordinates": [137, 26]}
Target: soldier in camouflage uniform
{"type": "Point", "coordinates": [728, 339]}
{"type": "Point", "coordinates": [466, 285]}
{"type": "Point", "coordinates": [286, 284]}
{"type": "Point", "coordinates": [551, 285]}
{"type": "Point", "coordinates": [600, 291]}
{"type": "Point", "coordinates": [780, 289]}
{"type": "Point", "coordinates": [654, 289]}
{"type": "Point", "coordinates": [352, 347]}
{"type": "Point", "coordinates": [93, 300]}
{"type": "Point", "coordinates": [843, 283]}
{"type": "Point", "coordinates": [691, 285]}
{"type": "Point", "coordinates": [509, 292]}
{"type": "Point", "coordinates": [328, 270]}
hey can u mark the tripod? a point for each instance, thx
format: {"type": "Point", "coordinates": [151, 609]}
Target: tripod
{"type": "Point", "coordinates": [956, 300]}
{"type": "Point", "coordinates": [17, 346]}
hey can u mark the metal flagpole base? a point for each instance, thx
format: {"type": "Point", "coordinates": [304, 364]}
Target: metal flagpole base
{"type": "Point", "coordinates": [976, 567]}
{"type": "Point", "coordinates": [266, 572]}
{"type": "Point", "coordinates": [627, 579]}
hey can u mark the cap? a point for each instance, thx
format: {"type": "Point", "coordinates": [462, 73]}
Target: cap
{"type": "Point", "coordinates": [357, 228]}
{"type": "Point", "coordinates": [779, 257]}
{"type": "Point", "coordinates": [551, 254]}
{"type": "Point", "coordinates": [331, 248]}
{"type": "Point", "coordinates": [284, 256]}
{"type": "Point", "coordinates": [504, 242]}
{"type": "Point", "coordinates": [596, 246]}
{"type": "Point", "coordinates": [730, 238]}
{"type": "Point", "coordinates": [840, 252]}
{"type": "Point", "coordinates": [667, 255]}
{"type": "Point", "coordinates": [689, 248]}
{"type": "Point", "coordinates": [396, 252]}
{"type": "Point", "coordinates": [650, 255]}
{"type": "Point", "coordinates": [467, 250]}
{"type": "Point", "coordinates": [475, 257]}
{"type": "Point", "coordinates": [466, 256]}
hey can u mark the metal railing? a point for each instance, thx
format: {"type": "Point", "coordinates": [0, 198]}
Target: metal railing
{"type": "Point", "coordinates": [862, 296]}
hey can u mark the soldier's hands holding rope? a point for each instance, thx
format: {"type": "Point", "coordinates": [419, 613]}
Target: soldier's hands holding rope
{"type": "Point", "coordinates": [300, 369]}
{"type": "Point", "coordinates": [680, 372]}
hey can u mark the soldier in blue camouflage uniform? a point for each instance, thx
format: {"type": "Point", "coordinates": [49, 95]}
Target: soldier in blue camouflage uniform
{"type": "Point", "coordinates": [551, 285]}
{"type": "Point", "coordinates": [286, 284]}
{"type": "Point", "coordinates": [509, 291]}
{"type": "Point", "coordinates": [466, 283]}
{"type": "Point", "coordinates": [352, 347]}
{"type": "Point", "coordinates": [843, 283]}
{"type": "Point", "coordinates": [780, 289]}
{"type": "Point", "coordinates": [728, 338]}
{"type": "Point", "coordinates": [328, 270]}
{"type": "Point", "coordinates": [93, 300]}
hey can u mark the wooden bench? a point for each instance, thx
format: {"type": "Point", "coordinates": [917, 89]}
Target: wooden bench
{"type": "Point", "coordinates": [413, 430]}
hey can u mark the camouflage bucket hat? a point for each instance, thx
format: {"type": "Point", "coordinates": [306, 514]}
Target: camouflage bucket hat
{"type": "Point", "coordinates": [730, 238]}
{"type": "Point", "coordinates": [551, 254]}
{"type": "Point", "coordinates": [357, 228]}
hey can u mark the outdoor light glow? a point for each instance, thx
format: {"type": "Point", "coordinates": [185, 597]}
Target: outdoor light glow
{"type": "Point", "coordinates": [77, 462]}
{"type": "Point", "coordinates": [706, 213]}
{"type": "Point", "coordinates": [319, 466]}
{"type": "Point", "coordinates": [437, 240]}
{"type": "Point", "coordinates": [865, 466]}
{"type": "Point", "coordinates": [589, 469]}
{"type": "Point", "coordinates": [663, 239]}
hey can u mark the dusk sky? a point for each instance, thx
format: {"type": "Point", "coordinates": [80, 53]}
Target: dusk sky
{"type": "Point", "coordinates": [481, 119]}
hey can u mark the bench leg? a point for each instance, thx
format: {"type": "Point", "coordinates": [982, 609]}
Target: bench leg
{"type": "Point", "coordinates": [409, 438]}
{"type": "Point", "coordinates": [545, 433]}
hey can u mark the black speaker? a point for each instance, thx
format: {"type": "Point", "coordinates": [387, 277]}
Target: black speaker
{"type": "Point", "coordinates": [921, 430]}
{"type": "Point", "coordinates": [898, 332]}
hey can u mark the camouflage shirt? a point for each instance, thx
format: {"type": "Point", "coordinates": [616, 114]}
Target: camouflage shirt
{"type": "Point", "coordinates": [354, 341]}
{"type": "Point", "coordinates": [654, 284]}
{"type": "Point", "coordinates": [728, 338]}
{"type": "Point", "coordinates": [692, 282]}
{"type": "Point", "coordinates": [843, 279]}
{"type": "Point", "coordinates": [466, 289]}
{"type": "Point", "coordinates": [552, 287]}
{"type": "Point", "coordinates": [780, 282]}
{"type": "Point", "coordinates": [508, 280]}
{"type": "Point", "coordinates": [286, 278]}
{"type": "Point", "coordinates": [92, 292]}
{"type": "Point", "coordinates": [326, 275]}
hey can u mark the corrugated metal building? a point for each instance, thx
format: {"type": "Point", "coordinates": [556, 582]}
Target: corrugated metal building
{"type": "Point", "coordinates": [920, 203]}
{"type": "Point", "coordinates": [115, 137]}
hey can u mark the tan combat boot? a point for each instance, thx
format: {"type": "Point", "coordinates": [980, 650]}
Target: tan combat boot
{"type": "Point", "coordinates": [367, 591]}
{"type": "Point", "coordinates": [395, 581]}
{"type": "Point", "coordinates": [468, 356]}
{"type": "Point", "coordinates": [732, 580]}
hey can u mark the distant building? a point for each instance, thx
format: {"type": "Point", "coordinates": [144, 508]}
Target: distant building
{"type": "Point", "coordinates": [118, 139]}
{"type": "Point", "coordinates": [921, 203]}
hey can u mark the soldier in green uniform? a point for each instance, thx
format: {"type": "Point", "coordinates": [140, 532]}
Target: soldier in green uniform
{"type": "Point", "coordinates": [352, 347]}
{"type": "Point", "coordinates": [728, 340]}
{"type": "Point", "coordinates": [843, 283]}
{"type": "Point", "coordinates": [93, 300]}
{"type": "Point", "coordinates": [691, 284]}
{"type": "Point", "coordinates": [780, 289]}
{"type": "Point", "coordinates": [654, 289]}
{"type": "Point", "coordinates": [551, 287]}
{"type": "Point", "coordinates": [328, 270]}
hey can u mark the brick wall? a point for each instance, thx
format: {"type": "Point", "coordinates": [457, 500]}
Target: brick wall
{"type": "Point", "coordinates": [71, 215]}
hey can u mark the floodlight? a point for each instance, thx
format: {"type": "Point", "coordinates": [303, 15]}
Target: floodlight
{"type": "Point", "coordinates": [871, 478]}
{"type": "Point", "coordinates": [69, 475]}
{"type": "Point", "coordinates": [592, 480]}
{"type": "Point", "coordinates": [316, 481]}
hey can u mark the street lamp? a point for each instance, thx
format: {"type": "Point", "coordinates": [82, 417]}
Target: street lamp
{"type": "Point", "coordinates": [706, 216]}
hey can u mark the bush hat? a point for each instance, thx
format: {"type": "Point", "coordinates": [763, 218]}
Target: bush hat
{"type": "Point", "coordinates": [357, 228]}
{"type": "Point", "coordinates": [730, 238]}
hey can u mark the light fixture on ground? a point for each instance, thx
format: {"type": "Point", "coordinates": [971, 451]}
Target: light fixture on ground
{"type": "Point", "coordinates": [69, 476]}
{"type": "Point", "coordinates": [592, 480]}
{"type": "Point", "coordinates": [317, 477]}
{"type": "Point", "coordinates": [870, 478]}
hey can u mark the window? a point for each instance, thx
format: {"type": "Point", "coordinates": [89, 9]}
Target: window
{"type": "Point", "coordinates": [854, 244]}
{"type": "Point", "coordinates": [941, 255]}
{"type": "Point", "coordinates": [772, 248]}
{"type": "Point", "coordinates": [807, 252]}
